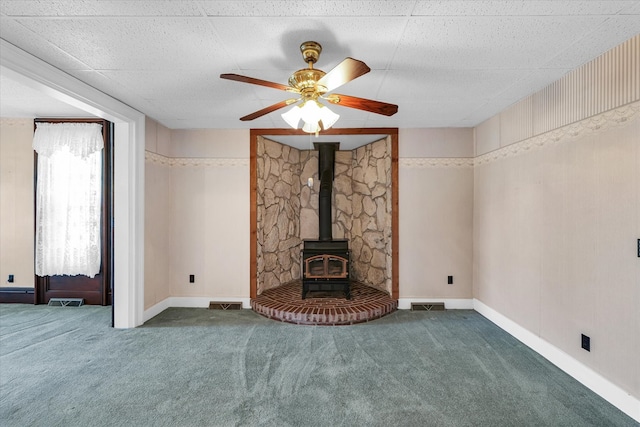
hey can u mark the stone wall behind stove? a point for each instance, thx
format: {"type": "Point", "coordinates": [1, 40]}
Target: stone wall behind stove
{"type": "Point", "coordinates": [278, 214]}
{"type": "Point", "coordinates": [371, 204]}
{"type": "Point", "coordinates": [287, 210]}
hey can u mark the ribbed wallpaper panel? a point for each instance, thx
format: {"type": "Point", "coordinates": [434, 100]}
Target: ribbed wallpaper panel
{"type": "Point", "coordinates": [607, 82]}
{"type": "Point", "coordinates": [516, 122]}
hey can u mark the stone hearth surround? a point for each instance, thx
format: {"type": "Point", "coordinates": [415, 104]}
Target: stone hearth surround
{"type": "Point", "coordinates": [287, 210]}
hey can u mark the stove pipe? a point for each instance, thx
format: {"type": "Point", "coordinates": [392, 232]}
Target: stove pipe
{"type": "Point", "coordinates": [326, 161]}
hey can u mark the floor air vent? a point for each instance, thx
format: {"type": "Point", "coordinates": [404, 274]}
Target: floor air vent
{"type": "Point", "coordinates": [66, 302]}
{"type": "Point", "coordinates": [216, 305]}
{"type": "Point", "coordinates": [427, 306]}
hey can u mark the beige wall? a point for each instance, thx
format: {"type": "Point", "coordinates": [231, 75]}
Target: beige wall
{"type": "Point", "coordinates": [158, 197]}
{"type": "Point", "coordinates": [196, 213]}
{"type": "Point", "coordinates": [16, 202]}
{"type": "Point", "coordinates": [557, 214]}
{"type": "Point", "coordinates": [436, 197]}
{"type": "Point", "coordinates": [436, 213]}
{"type": "Point", "coordinates": [555, 227]}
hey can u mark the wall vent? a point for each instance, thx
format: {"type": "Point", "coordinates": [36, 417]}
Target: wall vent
{"type": "Point", "coordinates": [427, 306]}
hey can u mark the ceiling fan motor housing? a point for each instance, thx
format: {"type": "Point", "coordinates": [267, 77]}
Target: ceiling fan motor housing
{"type": "Point", "coordinates": [310, 51]}
{"type": "Point", "coordinates": [305, 81]}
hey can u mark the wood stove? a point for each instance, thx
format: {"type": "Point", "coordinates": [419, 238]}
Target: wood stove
{"type": "Point", "coordinates": [325, 262]}
{"type": "Point", "coordinates": [325, 266]}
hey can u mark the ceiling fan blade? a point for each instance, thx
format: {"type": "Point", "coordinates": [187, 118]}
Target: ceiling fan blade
{"type": "Point", "coordinates": [245, 79]}
{"type": "Point", "coordinates": [269, 109]}
{"type": "Point", "coordinates": [377, 107]}
{"type": "Point", "coordinates": [342, 73]}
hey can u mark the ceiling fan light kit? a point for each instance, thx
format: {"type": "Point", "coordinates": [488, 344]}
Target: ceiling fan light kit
{"type": "Point", "coordinates": [312, 113]}
{"type": "Point", "coordinates": [312, 84]}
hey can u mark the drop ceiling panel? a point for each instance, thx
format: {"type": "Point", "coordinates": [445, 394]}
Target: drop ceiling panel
{"type": "Point", "coordinates": [421, 113]}
{"type": "Point", "coordinates": [368, 86]}
{"type": "Point", "coordinates": [496, 42]}
{"type": "Point", "coordinates": [445, 63]}
{"type": "Point", "coordinates": [132, 43]}
{"type": "Point", "coordinates": [99, 8]}
{"type": "Point", "coordinates": [350, 117]}
{"type": "Point", "coordinates": [226, 108]}
{"type": "Point", "coordinates": [528, 83]}
{"type": "Point", "coordinates": [330, 8]}
{"type": "Point", "coordinates": [633, 9]}
{"type": "Point", "coordinates": [274, 43]}
{"type": "Point", "coordinates": [599, 39]}
{"type": "Point", "coordinates": [181, 84]}
{"type": "Point", "coordinates": [266, 94]}
{"type": "Point", "coordinates": [518, 8]}
{"type": "Point", "coordinates": [443, 83]}
{"type": "Point", "coordinates": [37, 45]}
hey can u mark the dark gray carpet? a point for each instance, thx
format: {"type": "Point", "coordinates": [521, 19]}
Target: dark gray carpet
{"type": "Point", "coordinates": [64, 366]}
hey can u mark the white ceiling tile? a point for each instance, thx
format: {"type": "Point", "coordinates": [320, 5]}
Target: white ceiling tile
{"type": "Point", "coordinates": [600, 39]}
{"type": "Point", "coordinates": [230, 110]}
{"type": "Point", "coordinates": [366, 86]}
{"type": "Point", "coordinates": [442, 83]}
{"type": "Point", "coordinates": [518, 8]}
{"type": "Point", "coordinates": [632, 9]}
{"type": "Point", "coordinates": [444, 63]}
{"type": "Point", "coordinates": [29, 8]}
{"type": "Point", "coordinates": [481, 42]}
{"type": "Point", "coordinates": [132, 43]}
{"type": "Point", "coordinates": [165, 84]}
{"type": "Point", "coordinates": [336, 8]}
{"type": "Point", "coordinates": [528, 82]}
{"type": "Point", "coordinates": [430, 113]}
{"type": "Point", "coordinates": [39, 46]}
{"type": "Point", "coordinates": [275, 42]}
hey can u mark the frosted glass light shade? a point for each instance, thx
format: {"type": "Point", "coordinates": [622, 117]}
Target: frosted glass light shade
{"type": "Point", "coordinates": [311, 127]}
{"type": "Point", "coordinates": [328, 117]}
{"type": "Point", "coordinates": [292, 117]}
{"type": "Point", "coordinates": [311, 113]}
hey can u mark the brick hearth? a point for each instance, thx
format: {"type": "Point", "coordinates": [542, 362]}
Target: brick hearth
{"type": "Point", "coordinates": [285, 303]}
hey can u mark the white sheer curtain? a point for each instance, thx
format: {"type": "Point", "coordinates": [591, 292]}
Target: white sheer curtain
{"type": "Point", "coordinates": [68, 198]}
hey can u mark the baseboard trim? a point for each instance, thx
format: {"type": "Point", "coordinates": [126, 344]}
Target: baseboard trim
{"type": "Point", "coordinates": [190, 302]}
{"type": "Point", "coordinates": [449, 303]}
{"type": "Point", "coordinates": [17, 295]}
{"type": "Point", "coordinates": [582, 373]}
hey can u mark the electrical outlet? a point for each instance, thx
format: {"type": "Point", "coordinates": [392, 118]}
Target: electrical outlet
{"type": "Point", "coordinates": [586, 342]}
{"type": "Point", "coordinates": [192, 278]}
{"type": "Point", "coordinates": [10, 279]}
{"type": "Point", "coordinates": [449, 280]}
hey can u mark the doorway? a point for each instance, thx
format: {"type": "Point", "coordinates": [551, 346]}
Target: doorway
{"type": "Point", "coordinates": [97, 290]}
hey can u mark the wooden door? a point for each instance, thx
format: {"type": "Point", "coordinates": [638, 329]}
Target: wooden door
{"type": "Point", "coordinates": [96, 290]}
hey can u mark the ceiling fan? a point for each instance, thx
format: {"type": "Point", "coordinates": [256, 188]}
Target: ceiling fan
{"type": "Point", "coordinates": [312, 84]}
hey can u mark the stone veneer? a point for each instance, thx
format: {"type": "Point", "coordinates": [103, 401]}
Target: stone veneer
{"type": "Point", "coordinates": [278, 214]}
{"type": "Point", "coordinates": [371, 205]}
{"type": "Point", "coordinates": [287, 210]}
